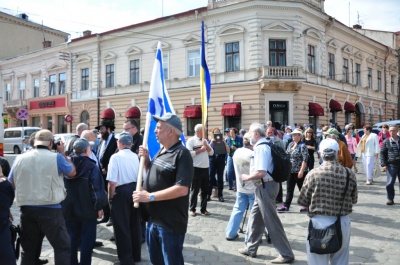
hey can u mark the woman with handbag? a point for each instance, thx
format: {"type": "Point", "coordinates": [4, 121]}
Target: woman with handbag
{"type": "Point", "coordinates": [329, 191]}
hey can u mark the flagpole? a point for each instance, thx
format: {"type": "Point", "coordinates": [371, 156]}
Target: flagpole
{"type": "Point", "coordinates": [142, 159]}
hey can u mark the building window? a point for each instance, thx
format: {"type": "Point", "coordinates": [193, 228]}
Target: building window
{"type": "Point", "coordinates": [311, 59]}
{"type": "Point", "coordinates": [194, 63]}
{"type": "Point", "coordinates": [369, 78]}
{"type": "Point", "coordinates": [379, 80]}
{"type": "Point", "coordinates": [331, 58]}
{"type": "Point", "coordinates": [62, 124]}
{"type": "Point", "coordinates": [109, 75]}
{"type": "Point", "coordinates": [21, 86]}
{"type": "Point", "coordinates": [8, 91]}
{"type": "Point", "coordinates": [165, 62]}
{"type": "Point", "coordinates": [36, 85]}
{"type": "Point", "coordinates": [85, 79]}
{"type": "Point", "coordinates": [191, 123]}
{"type": "Point", "coordinates": [358, 74]}
{"type": "Point", "coordinates": [232, 56]}
{"type": "Point", "coordinates": [345, 70]}
{"type": "Point", "coordinates": [233, 121]}
{"type": "Point", "coordinates": [52, 85]}
{"type": "Point", "coordinates": [277, 53]}
{"type": "Point", "coordinates": [85, 117]}
{"type": "Point", "coordinates": [392, 84]}
{"type": "Point", "coordinates": [36, 122]}
{"type": "Point", "coordinates": [134, 72]}
{"type": "Point", "coordinates": [61, 83]}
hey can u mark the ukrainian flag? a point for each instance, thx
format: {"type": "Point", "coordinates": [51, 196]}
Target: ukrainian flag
{"type": "Point", "coordinates": [205, 80]}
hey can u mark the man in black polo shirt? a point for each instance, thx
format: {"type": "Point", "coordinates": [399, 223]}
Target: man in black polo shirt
{"type": "Point", "coordinates": [166, 192]}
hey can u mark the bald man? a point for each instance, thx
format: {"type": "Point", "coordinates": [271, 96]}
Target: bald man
{"type": "Point", "coordinates": [90, 137]}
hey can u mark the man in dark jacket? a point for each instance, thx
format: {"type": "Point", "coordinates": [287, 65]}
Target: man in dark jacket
{"type": "Point", "coordinates": [105, 150]}
{"type": "Point", "coordinates": [84, 202]}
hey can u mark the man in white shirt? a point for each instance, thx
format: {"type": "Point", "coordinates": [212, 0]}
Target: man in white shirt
{"type": "Point", "coordinates": [122, 179]}
{"type": "Point", "coordinates": [200, 150]}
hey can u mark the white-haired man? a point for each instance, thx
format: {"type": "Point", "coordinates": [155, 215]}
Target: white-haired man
{"type": "Point", "coordinates": [263, 214]}
{"type": "Point", "coordinates": [69, 145]}
{"type": "Point", "coordinates": [322, 193]}
{"type": "Point", "coordinates": [200, 150]}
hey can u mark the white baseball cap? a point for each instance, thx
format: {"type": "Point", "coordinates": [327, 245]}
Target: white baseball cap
{"type": "Point", "coordinates": [328, 144]}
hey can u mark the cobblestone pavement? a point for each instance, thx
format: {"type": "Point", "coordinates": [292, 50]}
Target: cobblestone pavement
{"type": "Point", "coordinates": [375, 233]}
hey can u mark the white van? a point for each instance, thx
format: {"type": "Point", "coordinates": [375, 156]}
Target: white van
{"type": "Point", "coordinates": [13, 138]}
{"type": "Point", "coordinates": [392, 122]}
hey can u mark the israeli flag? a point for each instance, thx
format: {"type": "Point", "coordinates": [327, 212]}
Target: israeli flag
{"type": "Point", "coordinates": [159, 102]}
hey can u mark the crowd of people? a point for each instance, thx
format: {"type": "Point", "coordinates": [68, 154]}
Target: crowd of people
{"type": "Point", "coordinates": [87, 182]}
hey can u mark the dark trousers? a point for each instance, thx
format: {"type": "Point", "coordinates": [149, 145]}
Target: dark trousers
{"type": "Point", "coordinates": [36, 221]}
{"type": "Point", "coordinates": [290, 185]}
{"type": "Point", "coordinates": [7, 256]}
{"type": "Point", "coordinates": [126, 223]}
{"type": "Point", "coordinates": [85, 233]}
{"type": "Point", "coordinates": [310, 162]}
{"type": "Point", "coordinates": [200, 181]}
{"type": "Point", "coordinates": [391, 174]}
{"type": "Point", "coordinates": [279, 197]}
{"type": "Point", "coordinates": [217, 166]}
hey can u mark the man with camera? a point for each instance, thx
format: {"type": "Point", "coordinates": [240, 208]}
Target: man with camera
{"type": "Point", "coordinates": [40, 207]}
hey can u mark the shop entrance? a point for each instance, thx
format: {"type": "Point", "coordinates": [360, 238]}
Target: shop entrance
{"type": "Point", "coordinates": [279, 113]}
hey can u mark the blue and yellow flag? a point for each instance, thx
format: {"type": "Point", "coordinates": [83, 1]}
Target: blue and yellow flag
{"type": "Point", "coordinates": [205, 80]}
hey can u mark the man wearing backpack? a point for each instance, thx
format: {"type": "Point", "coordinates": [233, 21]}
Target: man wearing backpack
{"type": "Point", "coordinates": [271, 138]}
{"type": "Point", "coordinates": [263, 214]}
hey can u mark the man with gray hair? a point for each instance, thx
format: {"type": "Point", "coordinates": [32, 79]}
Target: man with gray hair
{"type": "Point", "coordinates": [122, 176]}
{"type": "Point", "coordinates": [263, 214]}
{"type": "Point", "coordinates": [69, 145]}
{"type": "Point", "coordinates": [323, 193]}
{"type": "Point", "coordinates": [165, 191]}
{"type": "Point", "coordinates": [200, 150]}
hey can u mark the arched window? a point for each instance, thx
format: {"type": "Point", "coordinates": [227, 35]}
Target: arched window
{"type": "Point", "coordinates": [85, 117]}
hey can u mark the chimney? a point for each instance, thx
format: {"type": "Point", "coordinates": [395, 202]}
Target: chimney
{"type": "Point", "coordinates": [87, 33]}
{"type": "Point", "coordinates": [46, 44]}
{"type": "Point", "coordinates": [357, 26]}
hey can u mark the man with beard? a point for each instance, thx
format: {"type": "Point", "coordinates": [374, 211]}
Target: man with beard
{"type": "Point", "coordinates": [106, 149]}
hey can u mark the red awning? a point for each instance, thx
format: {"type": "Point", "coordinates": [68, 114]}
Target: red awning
{"type": "Point", "coordinates": [192, 112]}
{"type": "Point", "coordinates": [349, 108]}
{"type": "Point", "coordinates": [335, 106]}
{"type": "Point", "coordinates": [133, 113]}
{"type": "Point", "coordinates": [314, 109]}
{"type": "Point", "coordinates": [232, 109]}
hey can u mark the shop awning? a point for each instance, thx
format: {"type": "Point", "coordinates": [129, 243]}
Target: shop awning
{"type": "Point", "coordinates": [192, 112]}
{"type": "Point", "coordinates": [335, 106]}
{"type": "Point", "coordinates": [133, 113]}
{"type": "Point", "coordinates": [314, 109]}
{"type": "Point", "coordinates": [232, 109]}
{"type": "Point", "coordinates": [349, 108]}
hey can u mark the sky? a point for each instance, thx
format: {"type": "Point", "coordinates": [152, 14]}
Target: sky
{"type": "Point", "coordinates": [76, 16]}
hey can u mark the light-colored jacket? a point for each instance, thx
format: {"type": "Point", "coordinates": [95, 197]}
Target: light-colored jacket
{"type": "Point", "coordinates": [371, 145]}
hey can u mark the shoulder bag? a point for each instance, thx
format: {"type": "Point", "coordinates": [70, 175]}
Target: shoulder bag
{"type": "Point", "coordinates": [327, 240]}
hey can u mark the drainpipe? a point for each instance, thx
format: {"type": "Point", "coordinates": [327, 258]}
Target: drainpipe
{"type": "Point", "coordinates": [385, 79]}
{"type": "Point", "coordinates": [398, 84]}
{"type": "Point", "coordinates": [98, 77]}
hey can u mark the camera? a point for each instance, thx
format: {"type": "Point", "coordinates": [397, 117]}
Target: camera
{"type": "Point", "coordinates": [56, 143]}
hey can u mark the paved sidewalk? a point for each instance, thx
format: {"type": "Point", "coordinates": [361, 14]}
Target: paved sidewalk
{"type": "Point", "coordinates": [375, 233]}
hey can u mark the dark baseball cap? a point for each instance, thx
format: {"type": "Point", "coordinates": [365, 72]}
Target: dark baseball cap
{"type": "Point", "coordinates": [171, 119]}
{"type": "Point", "coordinates": [81, 145]}
{"type": "Point", "coordinates": [125, 138]}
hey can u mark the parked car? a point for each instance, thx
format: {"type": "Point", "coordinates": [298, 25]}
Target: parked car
{"type": "Point", "coordinates": [360, 133]}
{"type": "Point", "coordinates": [13, 138]}
{"type": "Point", "coordinates": [392, 122]}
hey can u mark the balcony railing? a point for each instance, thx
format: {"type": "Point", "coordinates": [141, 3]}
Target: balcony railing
{"type": "Point", "coordinates": [15, 103]}
{"type": "Point", "coordinates": [279, 72]}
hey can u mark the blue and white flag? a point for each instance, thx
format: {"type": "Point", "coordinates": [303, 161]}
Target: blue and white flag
{"type": "Point", "coordinates": [159, 102]}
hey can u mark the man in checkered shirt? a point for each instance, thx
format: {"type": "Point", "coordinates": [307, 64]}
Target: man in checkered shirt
{"type": "Point", "coordinates": [322, 192]}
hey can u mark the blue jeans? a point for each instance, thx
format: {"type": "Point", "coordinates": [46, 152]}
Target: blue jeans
{"type": "Point", "coordinates": [164, 247]}
{"type": "Point", "coordinates": [230, 172]}
{"type": "Point", "coordinates": [85, 233]}
{"type": "Point", "coordinates": [391, 174]}
{"type": "Point", "coordinates": [242, 200]}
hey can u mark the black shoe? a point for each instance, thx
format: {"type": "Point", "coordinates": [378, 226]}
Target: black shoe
{"type": "Point", "coordinates": [221, 199]}
{"type": "Point", "coordinates": [112, 238]}
{"type": "Point", "coordinates": [41, 261]}
{"type": "Point", "coordinates": [98, 244]}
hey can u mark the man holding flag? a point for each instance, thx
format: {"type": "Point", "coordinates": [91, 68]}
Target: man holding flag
{"type": "Point", "coordinates": [169, 174]}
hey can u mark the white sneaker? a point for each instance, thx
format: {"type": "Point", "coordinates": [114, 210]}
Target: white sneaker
{"type": "Point", "coordinates": [368, 182]}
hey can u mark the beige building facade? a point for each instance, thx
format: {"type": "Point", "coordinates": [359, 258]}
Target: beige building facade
{"type": "Point", "coordinates": [284, 61]}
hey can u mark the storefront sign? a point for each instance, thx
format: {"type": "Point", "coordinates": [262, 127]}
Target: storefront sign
{"type": "Point", "coordinates": [45, 104]}
{"type": "Point", "coordinates": [279, 105]}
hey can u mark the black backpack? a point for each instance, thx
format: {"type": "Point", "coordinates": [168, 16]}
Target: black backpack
{"type": "Point", "coordinates": [282, 164]}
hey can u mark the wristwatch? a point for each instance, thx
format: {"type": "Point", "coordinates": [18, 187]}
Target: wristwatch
{"type": "Point", "coordinates": [152, 197]}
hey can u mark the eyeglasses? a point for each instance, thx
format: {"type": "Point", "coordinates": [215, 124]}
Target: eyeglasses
{"type": "Point", "coordinates": [127, 129]}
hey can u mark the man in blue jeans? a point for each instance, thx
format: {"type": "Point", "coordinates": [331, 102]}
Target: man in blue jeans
{"type": "Point", "coordinates": [390, 162]}
{"type": "Point", "coordinates": [245, 190]}
{"type": "Point", "coordinates": [166, 192]}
